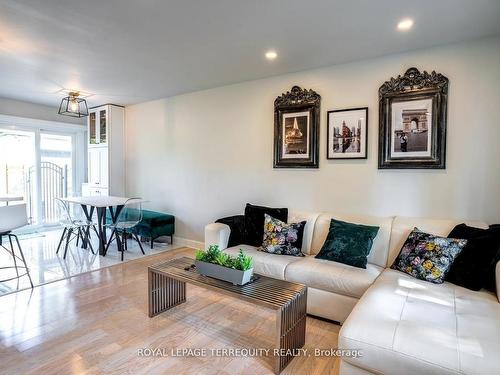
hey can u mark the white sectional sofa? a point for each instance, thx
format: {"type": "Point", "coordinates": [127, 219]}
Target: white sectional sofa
{"type": "Point", "coordinates": [402, 325]}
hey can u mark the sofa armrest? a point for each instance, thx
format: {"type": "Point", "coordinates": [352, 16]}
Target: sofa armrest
{"type": "Point", "coordinates": [497, 275]}
{"type": "Point", "coordinates": [237, 225]}
{"type": "Point", "coordinates": [217, 234]}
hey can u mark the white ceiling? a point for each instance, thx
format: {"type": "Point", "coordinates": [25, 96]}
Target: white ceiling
{"type": "Point", "coordinates": [129, 51]}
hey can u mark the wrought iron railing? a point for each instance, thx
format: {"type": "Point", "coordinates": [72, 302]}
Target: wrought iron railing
{"type": "Point", "coordinates": [53, 184]}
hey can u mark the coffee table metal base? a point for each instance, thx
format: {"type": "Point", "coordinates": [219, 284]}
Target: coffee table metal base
{"type": "Point", "coordinates": [166, 292]}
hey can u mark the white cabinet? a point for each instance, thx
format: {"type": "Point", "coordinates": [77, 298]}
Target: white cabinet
{"type": "Point", "coordinates": [106, 169]}
{"type": "Point", "coordinates": [93, 167]}
{"type": "Point", "coordinates": [88, 191]}
{"type": "Point", "coordinates": [98, 167]}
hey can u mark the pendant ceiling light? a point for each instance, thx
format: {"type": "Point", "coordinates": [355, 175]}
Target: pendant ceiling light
{"type": "Point", "coordinates": [73, 106]}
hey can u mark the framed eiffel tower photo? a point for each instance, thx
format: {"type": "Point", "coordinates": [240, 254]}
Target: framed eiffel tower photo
{"type": "Point", "coordinates": [296, 129]}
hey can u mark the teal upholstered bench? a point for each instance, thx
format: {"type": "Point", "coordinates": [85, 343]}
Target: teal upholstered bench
{"type": "Point", "coordinates": [153, 225]}
{"type": "Point", "coordinates": [156, 224]}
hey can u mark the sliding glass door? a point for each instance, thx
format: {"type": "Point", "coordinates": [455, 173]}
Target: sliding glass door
{"type": "Point", "coordinates": [17, 158]}
{"type": "Point", "coordinates": [39, 165]}
{"type": "Point", "coordinates": [55, 169]}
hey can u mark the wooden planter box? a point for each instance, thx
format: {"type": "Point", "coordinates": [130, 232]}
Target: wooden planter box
{"type": "Point", "coordinates": [231, 275]}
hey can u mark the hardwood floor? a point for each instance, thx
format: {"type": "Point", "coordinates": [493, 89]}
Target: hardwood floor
{"type": "Point", "coordinates": [97, 323]}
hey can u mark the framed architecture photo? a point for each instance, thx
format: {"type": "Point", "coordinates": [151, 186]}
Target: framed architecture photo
{"type": "Point", "coordinates": [347, 133]}
{"type": "Point", "coordinates": [412, 128]}
{"type": "Point", "coordinates": [296, 129]}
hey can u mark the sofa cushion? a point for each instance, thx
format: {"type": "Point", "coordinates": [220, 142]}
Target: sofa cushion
{"type": "Point", "coordinates": [281, 238]}
{"type": "Point", "coordinates": [271, 265]}
{"type": "Point", "coordinates": [475, 264]}
{"type": "Point", "coordinates": [310, 219]}
{"type": "Point", "coordinates": [332, 276]}
{"type": "Point", "coordinates": [236, 225]}
{"type": "Point", "coordinates": [380, 248]}
{"type": "Point", "coordinates": [402, 226]}
{"type": "Point", "coordinates": [428, 257]}
{"type": "Point", "coordinates": [348, 243]}
{"type": "Point", "coordinates": [407, 326]}
{"type": "Point", "coordinates": [497, 279]}
{"type": "Point", "coordinates": [254, 221]}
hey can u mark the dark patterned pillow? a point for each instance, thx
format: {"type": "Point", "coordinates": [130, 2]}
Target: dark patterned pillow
{"type": "Point", "coordinates": [282, 238]}
{"type": "Point", "coordinates": [428, 257]}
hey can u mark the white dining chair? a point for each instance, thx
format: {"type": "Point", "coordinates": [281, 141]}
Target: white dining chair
{"type": "Point", "coordinates": [11, 218]}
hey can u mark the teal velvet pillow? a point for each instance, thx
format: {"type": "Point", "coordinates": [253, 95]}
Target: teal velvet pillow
{"type": "Point", "coordinates": [348, 243]}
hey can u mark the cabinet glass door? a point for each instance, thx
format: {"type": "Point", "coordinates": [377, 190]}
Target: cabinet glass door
{"type": "Point", "coordinates": [92, 129]}
{"type": "Point", "coordinates": [103, 134]}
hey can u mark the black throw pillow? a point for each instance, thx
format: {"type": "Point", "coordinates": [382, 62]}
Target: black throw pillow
{"type": "Point", "coordinates": [237, 225]}
{"type": "Point", "coordinates": [254, 222]}
{"type": "Point", "coordinates": [474, 267]}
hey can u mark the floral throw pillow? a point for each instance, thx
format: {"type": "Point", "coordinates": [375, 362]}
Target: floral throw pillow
{"type": "Point", "coordinates": [428, 257]}
{"type": "Point", "coordinates": [282, 238]}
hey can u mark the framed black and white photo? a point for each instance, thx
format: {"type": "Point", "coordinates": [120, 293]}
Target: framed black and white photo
{"type": "Point", "coordinates": [347, 133]}
{"type": "Point", "coordinates": [412, 128]}
{"type": "Point", "coordinates": [296, 129]}
{"type": "Point", "coordinates": [295, 135]}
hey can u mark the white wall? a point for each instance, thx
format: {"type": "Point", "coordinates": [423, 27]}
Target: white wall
{"type": "Point", "coordinates": [203, 155]}
{"type": "Point", "coordinates": [20, 108]}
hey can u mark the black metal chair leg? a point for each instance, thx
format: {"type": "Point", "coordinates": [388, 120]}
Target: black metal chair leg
{"type": "Point", "coordinates": [152, 242]}
{"type": "Point", "coordinates": [121, 247]}
{"type": "Point", "coordinates": [139, 242]}
{"type": "Point", "coordinates": [125, 240]}
{"type": "Point", "coordinates": [113, 233]}
{"type": "Point", "coordinates": [119, 243]}
{"type": "Point", "coordinates": [86, 236]}
{"type": "Point", "coordinates": [61, 240]}
{"type": "Point", "coordinates": [24, 260]}
{"type": "Point", "coordinates": [78, 235]}
{"type": "Point", "coordinates": [89, 243]}
{"type": "Point", "coordinates": [81, 233]}
{"type": "Point", "coordinates": [68, 238]}
{"type": "Point", "coordinates": [13, 254]}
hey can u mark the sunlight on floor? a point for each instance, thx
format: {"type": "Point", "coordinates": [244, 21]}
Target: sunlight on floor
{"type": "Point", "coordinates": [47, 266]}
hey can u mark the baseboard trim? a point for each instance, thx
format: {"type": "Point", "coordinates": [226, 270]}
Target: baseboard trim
{"type": "Point", "coordinates": [189, 243]}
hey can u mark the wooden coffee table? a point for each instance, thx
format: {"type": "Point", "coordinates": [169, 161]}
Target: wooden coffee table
{"type": "Point", "coordinates": [167, 288]}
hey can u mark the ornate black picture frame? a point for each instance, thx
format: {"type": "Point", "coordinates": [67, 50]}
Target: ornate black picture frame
{"type": "Point", "coordinates": [412, 122]}
{"type": "Point", "coordinates": [296, 129]}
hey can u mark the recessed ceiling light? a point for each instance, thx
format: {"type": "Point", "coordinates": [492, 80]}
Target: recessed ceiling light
{"type": "Point", "coordinates": [271, 55]}
{"type": "Point", "coordinates": [405, 24]}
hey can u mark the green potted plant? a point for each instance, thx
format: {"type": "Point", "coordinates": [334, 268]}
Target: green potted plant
{"type": "Point", "coordinates": [215, 263]}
